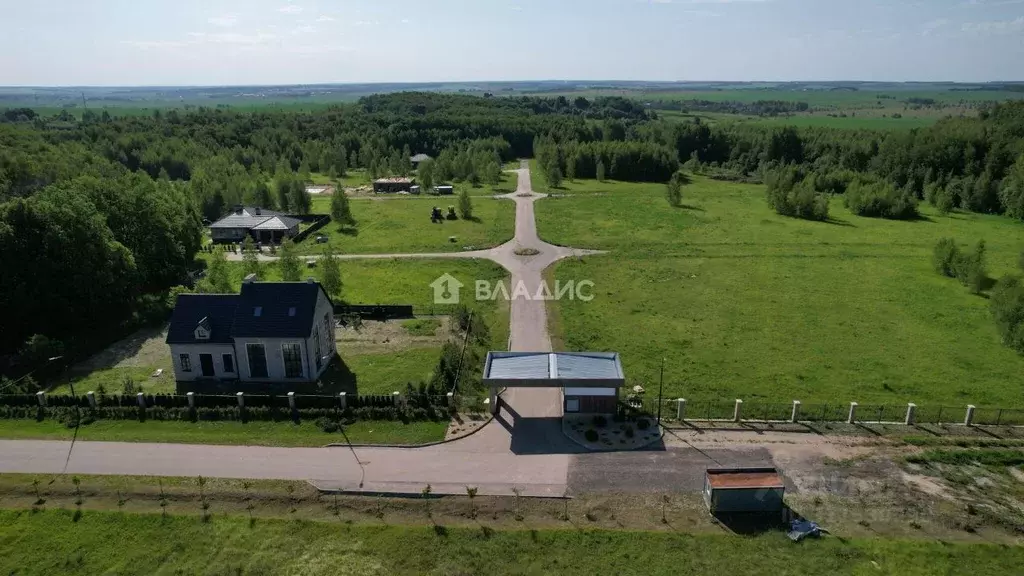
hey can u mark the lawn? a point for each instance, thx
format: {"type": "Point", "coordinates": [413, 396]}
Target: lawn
{"type": "Point", "coordinates": [401, 224]}
{"type": "Point", "coordinates": [743, 303]}
{"type": "Point", "coordinates": [247, 434]}
{"type": "Point", "coordinates": [390, 371]}
{"type": "Point", "coordinates": [107, 542]}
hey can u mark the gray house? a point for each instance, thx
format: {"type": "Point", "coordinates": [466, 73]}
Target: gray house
{"type": "Point", "coordinates": [263, 225]}
{"type": "Point", "coordinates": [271, 332]}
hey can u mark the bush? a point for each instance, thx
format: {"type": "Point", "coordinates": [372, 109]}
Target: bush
{"type": "Point", "coordinates": [969, 269]}
{"type": "Point", "coordinates": [600, 421]}
{"type": "Point", "coordinates": [880, 200]}
{"type": "Point", "coordinates": [590, 435]}
{"type": "Point", "coordinates": [1008, 310]}
{"type": "Point", "coordinates": [328, 425]}
{"type": "Point", "coordinates": [629, 432]}
{"type": "Point", "coordinates": [945, 256]}
{"type": "Point", "coordinates": [643, 424]}
{"type": "Point", "coordinates": [790, 196]}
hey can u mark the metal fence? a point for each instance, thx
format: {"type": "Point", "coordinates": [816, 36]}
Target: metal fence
{"type": "Point", "coordinates": [300, 401]}
{"type": "Point", "coordinates": [762, 411]}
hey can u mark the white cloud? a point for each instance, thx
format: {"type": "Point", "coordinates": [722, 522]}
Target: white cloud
{"type": "Point", "coordinates": [994, 27]}
{"type": "Point", "coordinates": [290, 9]}
{"type": "Point", "coordinates": [224, 20]}
{"type": "Point", "coordinates": [325, 18]}
{"type": "Point", "coordinates": [405, 20]}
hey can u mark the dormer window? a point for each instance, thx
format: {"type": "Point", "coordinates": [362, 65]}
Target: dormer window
{"type": "Point", "coordinates": [291, 311]}
{"type": "Point", "coordinates": [257, 311]}
{"type": "Point", "coordinates": [203, 329]}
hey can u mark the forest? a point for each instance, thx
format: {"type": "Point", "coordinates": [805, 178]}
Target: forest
{"type": "Point", "coordinates": [101, 217]}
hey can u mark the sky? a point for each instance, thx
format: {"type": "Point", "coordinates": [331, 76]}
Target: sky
{"type": "Point", "coordinates": [232, 42]}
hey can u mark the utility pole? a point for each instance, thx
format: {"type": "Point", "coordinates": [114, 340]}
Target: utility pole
{"type": "Point", "coordinates": [661, 383]}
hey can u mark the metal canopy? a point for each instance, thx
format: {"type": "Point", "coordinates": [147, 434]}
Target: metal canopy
{"type": "Point", "coordinates": [554, 369]}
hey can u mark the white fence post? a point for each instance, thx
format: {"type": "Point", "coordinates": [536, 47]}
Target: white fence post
{"type": "Point", "coordinates": [681, 409]}
{"type": "Point", "coordinates": [911, 413]}
{"type": "Point", "coordinates": [141, 399]}
{"type": "Point", "coordinates": [92, 398]}
{"type": "Point", "coordinates": [342, 400]}
{"type": "Point", "coordinates": [737, 411]}
{"type": "Point", "coordinates": [397, 397]}
{"type": "Point", "coordinates": [41, 397]}
{"type": "Point", "coordinates": [853, 413]}
{"type": "Point", "coordinates": [191, 396]}
{"type": "Point", "coordinates": [291, 400]}
{"type": "Point", "coordinates": [241, 399]}
{"type": "Point", "coordinates": [796, 411]}
{"type": "Point", "coordinates": [451, 399]}
{"type": "Point", "coordinates": [968, 418]}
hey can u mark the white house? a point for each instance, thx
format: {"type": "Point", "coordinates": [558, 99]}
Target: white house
{"type": "Point", "coordinates": [271, 332]}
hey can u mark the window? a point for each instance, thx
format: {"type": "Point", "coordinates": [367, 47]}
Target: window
{"type": "Point", "coordinates": [229, 363]}
{"type": "Point", "coordinates": [292, 360]}
{"type": "Point", "coordinates": [257, 311]}
{"type": "Point", "coordinates": [328, 333]}
{"type": "Point", "coordinates": [186, 362]}
{"type": "Point", "coordinates": [316, 346]}
{"type": "Point", "coordinates": [572, 404]}
{"type": "Point", "coordinates": [257, 360]}
{"type": "Point", "coordinates": [291, 311]}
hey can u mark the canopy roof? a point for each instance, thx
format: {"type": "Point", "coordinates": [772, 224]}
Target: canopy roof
{"type": "Point", "coordinates": [554, 369]}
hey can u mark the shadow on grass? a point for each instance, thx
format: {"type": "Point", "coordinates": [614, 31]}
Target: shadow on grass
{"type": "Point", "coordinates": [838, 222]}
{"type": "Point", "coordinates": [339, 378]}
{"type": "Point", "coordinates": [753, 523]}
{"type": "Point", "coordinates": [691, 207]}
{"type": "Point", "coordinates": [348, 230]}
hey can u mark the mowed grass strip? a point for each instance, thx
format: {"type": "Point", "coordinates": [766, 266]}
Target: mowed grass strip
{"type": "Point", "coordinates": [743, 303]}
{"type": "Point", "coordinates": [106, 542]}
{"type": "Point", "coordinates": [286, 433]}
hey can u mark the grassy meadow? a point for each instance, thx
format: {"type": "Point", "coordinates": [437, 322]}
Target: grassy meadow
{"type": "Point", "coordinates": [49, 542]}
{"type": "Point", "coordinates": [401, 224]}
{"type": "Point", "coordinates": [743, 303]}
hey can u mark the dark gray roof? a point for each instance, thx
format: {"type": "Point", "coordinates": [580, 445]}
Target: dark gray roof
{"type": "Point", "coordinates": [577, 369]}
{"type": "Point", "coordinates": [248, 217]}
{"type": "Point", "coordinates": [285, 309]}
{"type": "Point", "coordinates": [277, 223]}
{"type": "Point", "coordinates": [190, 309]}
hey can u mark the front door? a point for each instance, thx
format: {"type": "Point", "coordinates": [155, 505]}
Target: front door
{"type": "Point", "coordinates": [206, 364]}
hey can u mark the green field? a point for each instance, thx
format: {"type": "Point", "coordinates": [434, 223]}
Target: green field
{"type": "Point", "coordinates": [246, 434]}
{"type": "Point", "coordinates": [397, 225]}
{"type": "Point", "coordinates": [107, 542]}
{"type": "Point", "coordinates": [743, 303]}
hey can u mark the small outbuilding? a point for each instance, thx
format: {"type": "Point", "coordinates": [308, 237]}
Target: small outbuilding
{"type": "Point", "coordinates": [743, 490]}
{"type": "Point", "coordinates": [392, 185]}
{"type": "Point", "coordinates": [444, 190]}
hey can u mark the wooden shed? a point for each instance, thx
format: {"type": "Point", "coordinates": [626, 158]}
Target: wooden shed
{"type": "Point", "coordinates": [743, 490]}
